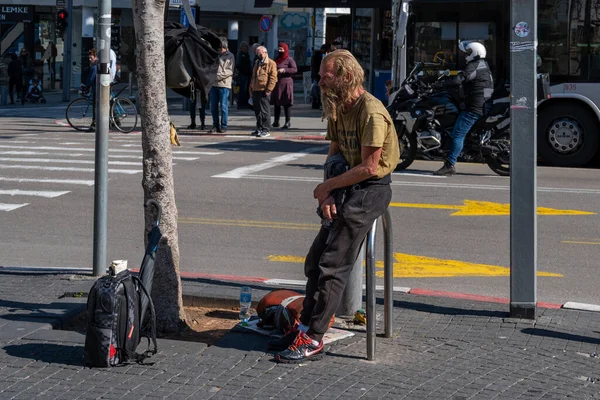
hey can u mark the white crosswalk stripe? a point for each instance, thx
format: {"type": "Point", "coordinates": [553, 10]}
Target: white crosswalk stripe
{"type": "Point", "coordinates": [41, 166]}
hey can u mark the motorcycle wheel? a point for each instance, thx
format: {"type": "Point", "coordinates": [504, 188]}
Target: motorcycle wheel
{"type": "Point", "coordinates": [409, 148]}
{"type": "Point", "coordinates": [501, 163]}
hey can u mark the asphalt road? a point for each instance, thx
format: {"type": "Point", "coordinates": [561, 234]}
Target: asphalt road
{"type": "Point", "coordinates": [246, 209]}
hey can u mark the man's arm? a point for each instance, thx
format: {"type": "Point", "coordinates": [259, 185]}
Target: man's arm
{"type": "Point", "coordinates": [365, 170]}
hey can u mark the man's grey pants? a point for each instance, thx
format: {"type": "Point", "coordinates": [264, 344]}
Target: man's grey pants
{"type": "Point", "coordinates": [328, 266]}
{"type": "Point", "coordinates": [262, 109]}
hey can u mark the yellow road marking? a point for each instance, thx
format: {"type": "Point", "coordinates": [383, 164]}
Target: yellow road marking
{"type": "Point", "coordinates": [578, 242]}
{"type": "Point", "coordinates": [481, 208]}
{"type": "Point", "coordinates": [411, 266]}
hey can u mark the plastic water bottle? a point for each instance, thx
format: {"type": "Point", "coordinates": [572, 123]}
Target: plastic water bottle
{"type": "Point", "coordinates": [245, 304]}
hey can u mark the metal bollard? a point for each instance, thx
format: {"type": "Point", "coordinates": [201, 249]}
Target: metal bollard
{"type": "Point", "coordinates": [370, 283]}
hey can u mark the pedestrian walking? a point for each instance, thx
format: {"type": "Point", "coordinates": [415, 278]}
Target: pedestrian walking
{"type": "Point", "coordinates": [283, 94]}
{"type": "Point", "coordinates": [15, 78]}
{"type": "Point", "coordinates": [264, 79]}
{"type": "Point", "coordinates": [243, 73]}
{"type": "Point", "coordinates": [362, 131]}
{"type": "Point", "coordinates": [221, 90]}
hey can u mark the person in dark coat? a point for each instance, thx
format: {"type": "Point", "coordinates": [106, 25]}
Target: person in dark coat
{"type": "Point", "coordinates": [15, 77]}
{"type": "Point", "coordinates": [244, 73]}
{"type": "Point", "coordinates": [283, 94]}
{"type": "Point", "coordinates": [27, 68]}
{"type": "Point", "coordinates": [315, 65]}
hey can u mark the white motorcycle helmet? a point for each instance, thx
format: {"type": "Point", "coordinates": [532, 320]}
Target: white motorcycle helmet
{"type": "Point", "coordinates": [473, 49]}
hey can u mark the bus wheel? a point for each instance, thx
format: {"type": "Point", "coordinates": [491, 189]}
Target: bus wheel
{"type": "Point", "coordinates": [567, 135]}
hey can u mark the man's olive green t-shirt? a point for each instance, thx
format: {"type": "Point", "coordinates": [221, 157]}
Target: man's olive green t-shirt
{"type": "Point", "coordinates": [367, 123]}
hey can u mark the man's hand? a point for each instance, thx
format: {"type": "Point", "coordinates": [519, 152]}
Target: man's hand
{"type": "Point", "coordinates": [321, 192]}
{"type": "Point", "coordinates": [267, 93]}
{"type": "Point", "coordinates": [329, 209]}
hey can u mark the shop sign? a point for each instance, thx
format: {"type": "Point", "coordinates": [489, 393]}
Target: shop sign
{"type": "Point", "coordinates": [10, 13]}
{"type": "Point", "coordinates": [180, 3]}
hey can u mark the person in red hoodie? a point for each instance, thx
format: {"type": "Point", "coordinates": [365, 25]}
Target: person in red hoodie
{"type": "Point", "coordinates": [283, 94]}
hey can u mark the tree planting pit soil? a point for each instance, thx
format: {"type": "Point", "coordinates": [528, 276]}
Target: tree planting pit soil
{"type": "Point", "coordinates": [203, 324]}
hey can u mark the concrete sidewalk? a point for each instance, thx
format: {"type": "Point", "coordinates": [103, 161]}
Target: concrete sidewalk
{"type": "Point", "coordinates": [442, 348]}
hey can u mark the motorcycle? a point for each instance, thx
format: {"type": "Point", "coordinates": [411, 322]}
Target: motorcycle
{"type": "Point", "coordinates": [424, 119]}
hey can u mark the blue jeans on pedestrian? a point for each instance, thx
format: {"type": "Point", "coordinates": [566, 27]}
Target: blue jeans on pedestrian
{"type": "Point", "coordinates": [462, 126]}
{"type": "Point", "coordinates": [219, 95]}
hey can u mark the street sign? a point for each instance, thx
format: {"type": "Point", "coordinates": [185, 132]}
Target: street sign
{"type": "Point", "coordinates": [60, 4]}
{"type": "Point", "coordinates": [183, 19]}
{"type": "Point", "coordinates": [265, 23]}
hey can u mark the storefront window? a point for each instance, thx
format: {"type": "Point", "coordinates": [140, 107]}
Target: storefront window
{"type": "Point", "coordinates": [361, 43]}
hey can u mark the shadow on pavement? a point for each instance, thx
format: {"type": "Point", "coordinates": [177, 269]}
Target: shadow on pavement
{"type": "Point", "coordinates": [50, 353]}
{"type": "Point", "coordinates": [561, 335]}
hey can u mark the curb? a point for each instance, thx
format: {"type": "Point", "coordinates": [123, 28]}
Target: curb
{"type": "Point", "coordinates": [192, 299]}
{"type": "Point", "coordinates": [399, 289]}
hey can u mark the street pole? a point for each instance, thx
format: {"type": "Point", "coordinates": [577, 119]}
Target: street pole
{"type": "Point", "coordinates": [67, 54]}
{"type": "Point", "coordinates": [523, 180]}
{"type": "Point", "coordinates": [102, 104]}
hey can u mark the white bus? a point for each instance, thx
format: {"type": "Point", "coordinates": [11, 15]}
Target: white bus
{"type": "Point", "coordinates": [568, 45]}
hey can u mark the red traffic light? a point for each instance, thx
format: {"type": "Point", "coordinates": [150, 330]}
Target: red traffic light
{"type": "Point", "coordinates": [62, 15]}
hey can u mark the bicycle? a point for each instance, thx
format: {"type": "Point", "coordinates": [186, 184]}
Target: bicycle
{"type": "Point", "coordinates": [123, 114]}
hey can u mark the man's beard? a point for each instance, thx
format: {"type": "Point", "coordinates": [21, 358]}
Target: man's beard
{"type": "Point", "coordinates": [332, 103]}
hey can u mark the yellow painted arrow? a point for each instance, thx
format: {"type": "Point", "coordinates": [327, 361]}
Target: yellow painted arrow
{"type": "Point", "coordinates": [411, 266]}
{"type": "Point", "coordinates": [481, 208]}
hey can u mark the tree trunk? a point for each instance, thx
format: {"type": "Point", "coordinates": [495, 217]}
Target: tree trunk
{"type": "Point", "coordinates": [148, 17]}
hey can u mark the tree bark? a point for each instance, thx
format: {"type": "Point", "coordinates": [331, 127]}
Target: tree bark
{"type": "Point", "coordinates": [157, 180]}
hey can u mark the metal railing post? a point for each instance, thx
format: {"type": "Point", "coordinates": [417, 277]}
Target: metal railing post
{"type": "Point", "coordinates": [371, 317]}
{"type": "Point", "coordinates": [388, 300]}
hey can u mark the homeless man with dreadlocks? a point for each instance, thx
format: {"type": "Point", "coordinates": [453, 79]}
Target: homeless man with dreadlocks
{"type": "Point", "coordinates": [362, 131]}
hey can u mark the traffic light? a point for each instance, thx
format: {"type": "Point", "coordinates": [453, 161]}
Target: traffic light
{"type": "Point", "coordinates": [61, 20]}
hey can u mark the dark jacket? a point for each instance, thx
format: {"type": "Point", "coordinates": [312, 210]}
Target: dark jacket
{"type": "Point", "coordinates": [14, 69]}
{"type": "Point", "coordinates": [477, 83]}
{"type": "Point", "coordinates": [334, 166]}
{"type": "Point", "coordinates": [283, 94]}
{"type": "Point", "coordinates": [244, 64]}
{"type": "Point", "coordinates": [315, 65]}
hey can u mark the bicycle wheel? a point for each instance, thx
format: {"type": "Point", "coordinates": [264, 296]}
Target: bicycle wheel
{"type": "Point", "coordinates": [123, 114]}
{"type": "Point", "coordinates": [80, 114]}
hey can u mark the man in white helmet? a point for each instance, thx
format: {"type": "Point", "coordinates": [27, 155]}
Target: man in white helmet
{"type": "Point", "coordinates": [478, 86]}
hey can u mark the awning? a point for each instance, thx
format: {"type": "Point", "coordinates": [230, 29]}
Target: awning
{"type": "Point", "coordinates": [340, 3]}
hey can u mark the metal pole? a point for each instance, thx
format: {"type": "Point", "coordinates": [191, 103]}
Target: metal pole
{"type": "Point", "coordinates": [67, 54]}
{"type": "Point", "coordinates": [371, 316]}
{"type": "Point", "coordinates": [388, 273]}
{"type": "Point", "coordinates": [102, 106]}
{"type": "Point", "coordinates": [523, 181]}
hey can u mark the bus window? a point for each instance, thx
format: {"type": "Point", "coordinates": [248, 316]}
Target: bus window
{"type": "Point", "coordinates": [435, 43]}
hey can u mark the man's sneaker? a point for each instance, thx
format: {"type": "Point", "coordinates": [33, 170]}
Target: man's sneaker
{"type": "Point", "coordinates": [263, 134]}
{"type": "Point", "coordinates": [301, 350]}
{"type": "Point", "coordinates": [447, 170]}
{"type": "Point", "coordinates": [255, 133]}
{"type": "Point", "coordinates": [192, 126]}
{"type": "Point", "coordinates": [283, 342]}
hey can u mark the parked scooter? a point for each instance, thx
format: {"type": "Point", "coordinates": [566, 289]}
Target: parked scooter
{"type": "Point", "coordinates": [424, 119]}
